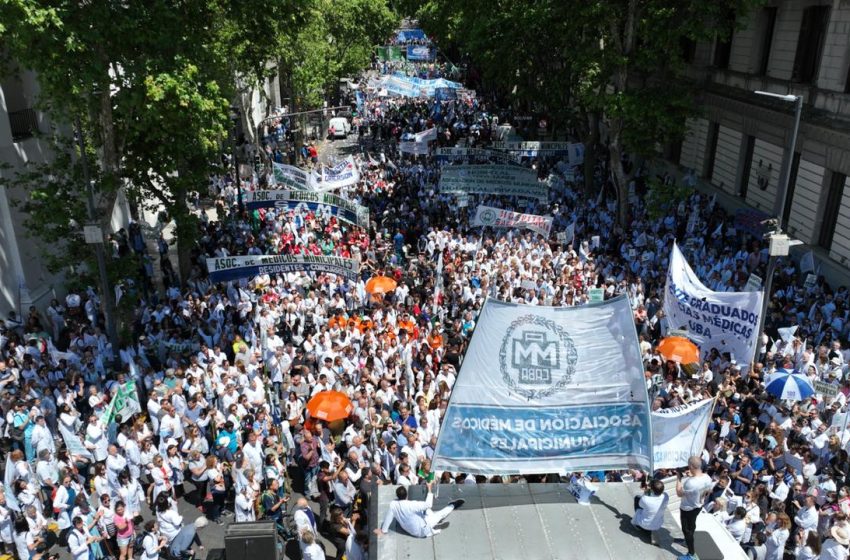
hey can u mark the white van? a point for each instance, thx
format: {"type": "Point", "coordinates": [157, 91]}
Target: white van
{"type": "Point", "coordinates": [339, 127]}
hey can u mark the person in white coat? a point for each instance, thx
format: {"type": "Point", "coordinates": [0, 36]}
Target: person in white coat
{"type": "Point", "coordinates": [310, 549]}
{"type": "Point", "coordinates": [79, 540]}
{"type": "Point", "coordinates": [777, 537]}
{"type": "Point", "coordinates": [244, 505]}
{"type": "Point", "coordinates": [62, 505]}
{"type": "Point", "coordinates": [416, 518]}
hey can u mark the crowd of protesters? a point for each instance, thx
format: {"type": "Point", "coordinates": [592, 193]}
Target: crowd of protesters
{"type": "Point", "coordinates": [224, 371]}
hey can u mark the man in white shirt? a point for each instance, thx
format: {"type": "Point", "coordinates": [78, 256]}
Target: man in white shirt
{"type": "Point", "coordinates": [693, 491]}
{"type": "Point", "coordinates": [649, 508]}
{"type": "Point", "coordinates": [416, 518]}
{"type": "Point", "coordinates": [807, 518]}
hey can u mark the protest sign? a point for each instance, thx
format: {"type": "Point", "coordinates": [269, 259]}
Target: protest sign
{"type": "Point", "coordinates": [595, 295]}
{"type": "Point", "coordinates": [498, 218]}
{"type": "Point", "coordinates": [343, 174]}
{"type": "Point", "coordinates": [724, 320]}
{"type": "Point", "coordinates": [472, 155]}
{"type": "Point", "coordinates": [320, 203]}
{"type": "Point", "coordinates": [420, 53]}
{"type": "Point", "coordinates": [811, 281]}
{"type": "Point", "coordinates": [124, 403]}
{"type": "Point", "coordinates": [415, 148]}
{"type": "Point", "coordinates": [291, 176]}
{"type": "Point", "coordinates": [73, 443]}
{"type": "Point", "coordinates": [826, 389]}
{"type": "Point", "coordinates": [753, 283]}
{"type": "Point", "coordinates": [679, 433]}
{"type": "Point", "coordinates": [548, 390]}
{"type": "Point", "coordinates": [502, 180]}
{"type": "Point", "coordinates": [426, 135]}
{"type": "Point", "coordinates": [223, 269]}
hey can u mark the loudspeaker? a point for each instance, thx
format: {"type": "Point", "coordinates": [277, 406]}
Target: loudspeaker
{"type": "Point", "coordinates": [252, 540]}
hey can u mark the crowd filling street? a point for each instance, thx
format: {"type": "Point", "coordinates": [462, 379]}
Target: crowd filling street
{"type": "Point", "coordinates": [224, 372]}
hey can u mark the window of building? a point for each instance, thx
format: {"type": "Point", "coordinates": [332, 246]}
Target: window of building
{"type": "Point", "coordinates": [24, 124]}
{"type": "Point", "coordinates": [810, 44]}
{"type": "Point", "coordinates": [722, 52]}
{"type": "Point", "coordinates": [713, 134]}
{"type": "Point", "coordinates": [748, 164]}
{"type": "Point", "coordinates": [831, 209]}
{"type": "Point", "coordinates": [768, 23]}
{"type": "Point", "coordinates": [688, 49]}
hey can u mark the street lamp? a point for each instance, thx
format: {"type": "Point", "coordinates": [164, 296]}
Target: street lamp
{"type": "Point", "coordinates": [780, 243]}
{"type": "Point", "coordinates": [235, 116]}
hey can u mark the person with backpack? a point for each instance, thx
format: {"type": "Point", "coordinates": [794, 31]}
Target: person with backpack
{"type": "Point", "coordinates": [272, 502]}
{"type": "Point", "coordinates": [150, 542]}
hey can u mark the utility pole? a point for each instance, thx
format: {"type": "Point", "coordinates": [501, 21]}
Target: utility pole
{"type": "Point", "coordinates": [94, 236]}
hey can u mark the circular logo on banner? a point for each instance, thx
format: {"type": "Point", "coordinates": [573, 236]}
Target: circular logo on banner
{"type": "Point", "coordinates": [537, 358]}
{"type": "Point", "coordinates": [488, 217]}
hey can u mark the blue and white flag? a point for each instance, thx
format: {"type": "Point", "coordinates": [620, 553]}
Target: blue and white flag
{"type": "Point", "coordinates": [727, 321]}
{"type": "Point", "coordinates": [679, 433]}
{"type": "Point", "coordinates": [419, 52]}
{"type": "Point", "coordinates": [548, 390]}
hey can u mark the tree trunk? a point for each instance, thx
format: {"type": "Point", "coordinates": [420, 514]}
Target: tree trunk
{"type": "Point", "coordinates": [591, 155]}
{"type": "Point", "coordinates": [620, 177]}
{"type": "Point", "coordinates": [186, 229]}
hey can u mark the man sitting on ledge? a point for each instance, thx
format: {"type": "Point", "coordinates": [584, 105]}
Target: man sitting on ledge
{"type": "Point", "coordinates": [416, 518]}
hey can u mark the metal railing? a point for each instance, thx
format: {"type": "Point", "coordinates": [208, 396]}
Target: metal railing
{"type": "Point", "coordinates": [23, 123]}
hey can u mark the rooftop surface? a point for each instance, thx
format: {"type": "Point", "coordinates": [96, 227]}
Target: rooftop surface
{"type": "Point", "coordinates": [528, 522]}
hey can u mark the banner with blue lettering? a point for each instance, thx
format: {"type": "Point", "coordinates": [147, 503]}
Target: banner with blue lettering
{"type": "Point", "coordinates": [412, 34]}
{"type": "Point", "coordinates": [419, 53]}
{"type": "Point", "coordinates": [727, 321]}
{"type": "Point", "coordinates": [224, 269]}
{"type": "Point", "coordinates": [548, 390]}
{"type": "Point", "coordinates": [322, 204]}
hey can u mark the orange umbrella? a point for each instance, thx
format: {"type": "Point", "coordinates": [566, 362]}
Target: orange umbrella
{"type": "Point", "coordinates": [330, 406]}
{"type": "Point", "coordinates": [380, 285]}
{"type": "Point", "coordinates": [679, 349]}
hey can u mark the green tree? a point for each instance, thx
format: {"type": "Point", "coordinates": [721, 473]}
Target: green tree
{"type": "Point", "coordinates": [132, 70]}
{"type": "Point", "coordinates": [613, 62]}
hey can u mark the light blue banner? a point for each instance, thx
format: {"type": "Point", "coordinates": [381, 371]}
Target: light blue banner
{"type": "Point", "coordinates": [568, 432]}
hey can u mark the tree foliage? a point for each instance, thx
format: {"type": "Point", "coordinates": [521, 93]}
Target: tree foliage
{"type": "Point", "coordinates": [618, 62]}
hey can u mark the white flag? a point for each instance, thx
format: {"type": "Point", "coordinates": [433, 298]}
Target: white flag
{"type": "Point", "coordinates": [679, 433]}
{"type": "Point", "coordinates": [807, 263]}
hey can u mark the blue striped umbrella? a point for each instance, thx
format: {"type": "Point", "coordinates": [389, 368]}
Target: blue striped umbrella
{"type": "Point", "coordinates": [789, 385]}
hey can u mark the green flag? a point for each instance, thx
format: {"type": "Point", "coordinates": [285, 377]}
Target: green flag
{"type": "Point", "coordinates": [125, 403]}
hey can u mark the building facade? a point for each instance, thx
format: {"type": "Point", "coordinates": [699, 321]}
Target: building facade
{"type": "Point", "coordinates": [797, 47]}
{"type": "Point", "coordinates": [25, 137]}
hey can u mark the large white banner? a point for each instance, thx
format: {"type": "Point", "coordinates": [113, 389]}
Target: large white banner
{"type": "Point", "coordinates": [291, 176]}
{"type": "Point", "coordinates": [506, 180]}
{"type": "Point", "coordinates": [224, 269]}
{"type": "Point", "coordinates": [498, 218]}
{"type": "Point", "coordinates": [416, 148]}
{"type": "Point", "coordinates": [679, 433]}
{"type": "Point", "coordinates": [343, 174]}
{"type": "Point", "coordinates": [548, 390]}
{"type": "Point", "coordinates": [467, 155]}
{"type": "Point", "coordinates": [323, 204]}
{"type": "Point", "coordinates": [727, 321]}
{"type": "Point", "coordinates": [426, 135]}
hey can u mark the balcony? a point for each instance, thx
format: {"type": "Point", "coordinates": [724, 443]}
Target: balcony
{"type": "Point", "coordinates": [23, 124]}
